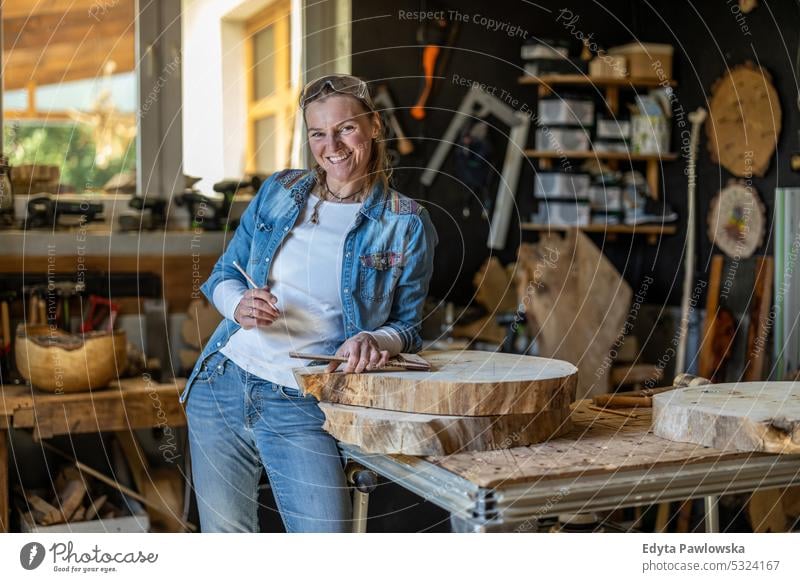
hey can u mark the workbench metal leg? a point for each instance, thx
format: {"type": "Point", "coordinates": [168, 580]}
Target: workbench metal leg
{"type": "Point", "coordinates": [364, 482]}
{"type": "Point", "coordinates": [711, 503]}
{"type": "Point", "coordinates": [360, 508]}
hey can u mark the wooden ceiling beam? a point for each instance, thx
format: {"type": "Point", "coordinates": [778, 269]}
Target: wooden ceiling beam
{"type": "Point", "coordinates": [42, 31]}
{"type": "Point", "coordinates": [61, 63]}
{"type": "Point", "coordinates": [24, 8]}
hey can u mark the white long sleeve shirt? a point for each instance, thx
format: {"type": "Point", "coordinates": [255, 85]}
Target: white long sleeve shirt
{"type": "Point", "coordinates": [306, 279]}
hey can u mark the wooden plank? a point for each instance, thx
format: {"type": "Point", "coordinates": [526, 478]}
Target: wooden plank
{"type": "Point", "coordinates": [766, 512]}
{"type": "Point", "coordinates": [461, 383]}
{"type": "Point", "coordinates": [744, 416]}
{"type": "Point", "coordinates": [706, 363]}
{"type": "Point", "coordinates": [390, 432]}
{"type": "Point", "coordinates": [4, 526]}
{"type": "Point", "coordinates": [599, 443]}
{"type": "Point", "coordinates": [576, 303]}
{"type": "Point", "coordinates": [758, 330]}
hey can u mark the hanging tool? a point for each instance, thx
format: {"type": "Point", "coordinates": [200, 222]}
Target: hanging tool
{"type": "Point", "coordinates": [100, 309]}
{"type": "Point", "coordinates": [385, 104]}
{"type": "Point", "coordinates": [433, 35]}
{"type": "Point", "coordinates": [479, 104]}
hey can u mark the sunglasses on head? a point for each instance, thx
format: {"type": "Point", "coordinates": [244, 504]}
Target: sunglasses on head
{"type": "Point", "coordinates": [344, 84]}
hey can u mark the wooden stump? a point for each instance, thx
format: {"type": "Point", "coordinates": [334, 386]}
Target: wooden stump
{"type": "Point", "coordinates": [461, 383]}
{"type": "Point", "coordinates": [745, 416]}
{"type": "Point", "coordinates": [390, 432]}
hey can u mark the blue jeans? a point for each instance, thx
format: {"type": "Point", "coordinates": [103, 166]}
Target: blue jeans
{"type": "Point", "coordinates": [239, 423]}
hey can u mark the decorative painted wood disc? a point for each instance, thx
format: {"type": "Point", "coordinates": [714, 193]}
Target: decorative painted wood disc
{"type": "Point", "coordinates": [736, 220]}
{"type": "Point", "coordinates": [744, 121]}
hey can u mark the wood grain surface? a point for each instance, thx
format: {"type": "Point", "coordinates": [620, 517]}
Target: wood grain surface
{"type": "Point", "coordinates": [461, 383]}
{"type": "Point", "coordinates": [390, 432]}
{"type": "Point", "coordinates": [744, 416]}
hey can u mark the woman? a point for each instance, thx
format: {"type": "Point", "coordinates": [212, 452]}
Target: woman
{"type": "Point", "coordinates": [343, 265]}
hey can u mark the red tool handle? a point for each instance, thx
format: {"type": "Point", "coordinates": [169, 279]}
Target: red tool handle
{"type": "Point", "coordinates": [429, 55]}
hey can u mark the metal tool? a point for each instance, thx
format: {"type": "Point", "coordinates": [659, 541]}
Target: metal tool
{"type": "Point", "coordinates": [407, 361]}
{"type": "Point", "coordinates": [213, 212]}
{"type": "Point", "coordinates": [385, 104]}
{"type": "Point", "coordinates": [478, 103]}
{"type": "Point", "coordinates": [47, 212]}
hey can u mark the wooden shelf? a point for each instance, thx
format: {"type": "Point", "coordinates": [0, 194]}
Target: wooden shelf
{"type": "Point", "coordinates": [590, 155]}
{"type": "Point", "coordinates": [653, 162]}
{"type": "Point", "coordinates": [651, 231]}
{"type": "Point", "coordinates": [585, 80]}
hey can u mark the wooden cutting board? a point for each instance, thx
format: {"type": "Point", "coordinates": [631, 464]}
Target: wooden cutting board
{"type": "Point", "coordinates": [461, 383]}
{"type": "Point", "coordinates": [744, 416]}
{"type": "Point", "coordinates": [390, 432]}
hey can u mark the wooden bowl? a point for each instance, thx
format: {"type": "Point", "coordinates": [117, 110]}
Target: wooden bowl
{"type": "Point", "coordinates": [56, 361]}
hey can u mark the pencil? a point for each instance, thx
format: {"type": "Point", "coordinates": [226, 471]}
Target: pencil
{"type": "Point", "coordinates": [246, 276]}
{"type": "Point", "coordinates": [250, 280]}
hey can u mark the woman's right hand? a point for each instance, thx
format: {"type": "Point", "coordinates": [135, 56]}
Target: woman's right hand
{"type": "Point", "coordinates": [257, 308]}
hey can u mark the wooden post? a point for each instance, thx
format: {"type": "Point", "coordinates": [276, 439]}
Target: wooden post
{"type": "Point", "coordinates": [653, 177]}
{"type": "Point", "coordinates": [706, 363]}
{"type": "Point", "coordinates": [4, 527]}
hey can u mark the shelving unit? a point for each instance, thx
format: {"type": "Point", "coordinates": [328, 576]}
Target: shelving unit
{"type": "Point", "coordinates": [653, 161]}
{"type": "Point", "coordinates": [610, 85]}
{"type": "Point", "coordinates": [651, 231]}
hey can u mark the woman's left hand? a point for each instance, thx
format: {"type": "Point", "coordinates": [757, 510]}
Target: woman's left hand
{"type": "Point", "coordinates": [362, 353]}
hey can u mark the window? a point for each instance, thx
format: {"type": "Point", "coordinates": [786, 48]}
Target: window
{"type": "Point", "coordinates": [271, 94]}
{"type": "Point", "coordinates": [70, 92]}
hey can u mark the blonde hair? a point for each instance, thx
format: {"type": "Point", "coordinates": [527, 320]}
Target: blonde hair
{"type": "Point", "coordinates": [378, 169]}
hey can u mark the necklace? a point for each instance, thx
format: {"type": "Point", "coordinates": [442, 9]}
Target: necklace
{"type": "Point", "coordinates": [324, 193]}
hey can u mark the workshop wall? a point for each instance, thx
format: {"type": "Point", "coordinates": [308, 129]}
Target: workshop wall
{"type": "Point", "coordinates": [386, 48]}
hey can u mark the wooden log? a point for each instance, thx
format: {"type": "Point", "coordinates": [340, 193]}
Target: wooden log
{"type": "Point", "coordinates": [94, 507]}
{"type": "Point", "coordinates": [391, 432]}
{"type": "Point", "coordinates": [461, 383]}
{"type": "Point", "coordinates": [71, 497]}
{"type": "Point", "coordinates": [745, 416]}
{"type": "Point", "coordinates": [43, 512]}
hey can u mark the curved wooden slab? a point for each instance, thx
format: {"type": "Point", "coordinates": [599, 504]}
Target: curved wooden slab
{"type": "Point", "coordinates": [391, 432]}
{"type": "Point", "coordinates": [461, 383]}
{"type": "Point", "coordinates": [744, 416]}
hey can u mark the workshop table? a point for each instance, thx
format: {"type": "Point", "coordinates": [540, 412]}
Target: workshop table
{"type": "Point", "coordinates": [127, 404]}
{"type": "Point", "coordinates": [609, 460]}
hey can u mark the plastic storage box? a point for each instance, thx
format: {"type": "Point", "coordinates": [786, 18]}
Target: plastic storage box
{"type": "Point", "coordinates": [572, 186]}
{"type": "Point", "coordinates": [559, 212]}
{"type": "Point", "coordinates": [607, 198]}
{"type": "Point", "coordinates": [557, 111]}
{"type": "Point", "coordinates": [562, 139]}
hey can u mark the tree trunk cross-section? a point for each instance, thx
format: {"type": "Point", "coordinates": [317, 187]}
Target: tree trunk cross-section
{"type": "Point", "coordinates": [748, 416]}
{"type": "Point", "coordinates": [461, 383]}
{"type": "Point", "coordinates": [390, 432]}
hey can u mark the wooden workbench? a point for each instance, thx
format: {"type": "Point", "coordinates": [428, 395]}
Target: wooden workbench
{"type": "Point", "coordinates": [607, 461]}
{"type": "Point", "coordinates": [128, 404]}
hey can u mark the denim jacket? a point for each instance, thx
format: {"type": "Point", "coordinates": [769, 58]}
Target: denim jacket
{"type": "Point", "coordinates": [386, 264]}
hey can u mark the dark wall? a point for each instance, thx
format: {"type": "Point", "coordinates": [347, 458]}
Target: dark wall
{"type": "Point", "coordinates": [707, 38]}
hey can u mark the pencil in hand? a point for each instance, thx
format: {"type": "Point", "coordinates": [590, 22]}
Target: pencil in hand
{"type": "Point", "coordinates": [250, 280]}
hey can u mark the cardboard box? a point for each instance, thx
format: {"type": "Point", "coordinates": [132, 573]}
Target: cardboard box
{"type": "Point", "coordinates": [646, 60]}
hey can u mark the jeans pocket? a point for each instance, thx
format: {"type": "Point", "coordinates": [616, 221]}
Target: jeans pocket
{"type": "Point", "coordinates": [290, 393]}
{"type": "Point", "coordinates": [212, 367]}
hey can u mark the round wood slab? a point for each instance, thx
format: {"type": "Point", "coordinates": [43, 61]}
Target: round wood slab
{"type": "Point", "coordinates": [461, 383]}
{"type": "Point", "coordinates": [744, 416]}
{"type": "Point", "coordinates": [407, 433]}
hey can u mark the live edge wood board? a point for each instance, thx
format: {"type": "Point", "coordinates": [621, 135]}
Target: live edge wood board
{"type": "Point", "coordinates": [461, 383]}
{"type": "Point", "coordinates": [744, 416]}
{"type": "Point", "coordinates": [408, 433]}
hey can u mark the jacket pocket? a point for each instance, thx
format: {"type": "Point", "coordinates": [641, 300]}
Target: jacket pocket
{"type": "Point", "coordinates": [260, 242]}
{"type": "Point", "coordinates": [378, 274]}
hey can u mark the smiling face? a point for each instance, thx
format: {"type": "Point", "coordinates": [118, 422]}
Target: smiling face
{"type": "Point", "coordinates": [340, 133]}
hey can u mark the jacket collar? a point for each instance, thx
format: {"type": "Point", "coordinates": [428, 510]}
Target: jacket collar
{"type": "Point", "coordinates": [373, 205]}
